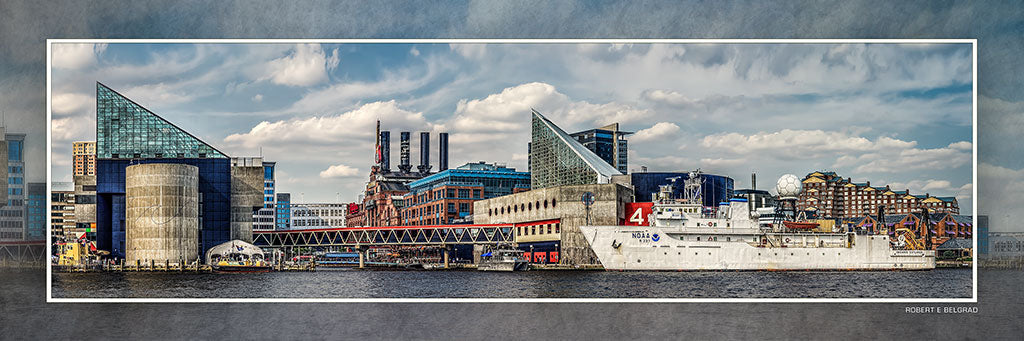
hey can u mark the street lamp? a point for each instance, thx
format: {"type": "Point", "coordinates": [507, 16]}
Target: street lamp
{"type": "Point", "coordinates": [558, 252]}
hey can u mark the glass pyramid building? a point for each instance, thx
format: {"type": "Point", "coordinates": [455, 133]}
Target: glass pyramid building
{"type": "Point", "coordinates": [127, 130]}
{"type": "Point", "coordinates": [557, 159]}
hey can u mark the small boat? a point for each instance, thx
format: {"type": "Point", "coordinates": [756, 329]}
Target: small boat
{"type": "Point", "coordinates": [800, 225]}
{"type": "Point", "coordinates": [241, 266]}
{"type": "Point", "coordinates": [503, 258]}
{"type": "Point", "coordinates": [237, 256]}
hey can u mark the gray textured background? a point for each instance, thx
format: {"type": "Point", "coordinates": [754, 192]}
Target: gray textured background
{"type": "Point", "coordinates": [24, 26]}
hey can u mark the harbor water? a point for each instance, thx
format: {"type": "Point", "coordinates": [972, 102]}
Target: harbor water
{"type": "Point", "coordinates": [353, 283]}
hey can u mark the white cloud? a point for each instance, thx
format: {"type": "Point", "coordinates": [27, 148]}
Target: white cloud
{"type": "Point", "coordinates": [668, 97]}
{"type": "Point", "coordinates": [339, 171]}
{"type": "Point", "coordinates": [413, 51]}
{"type": "Point", "coordinates": [75, 56]}
{"type": "Point", "coordinates": [658, 132]}
{"type": "Point", "coordinates": [258, 98]}
{"type": "Point", "coordinates": [69, 103]}
{"type": "Point", "coordinates": [801, 143]}
{"type": "Point", "coordinates": [351, 126]}
{"type": "Point", "coordinates": [469, 51]}
{"type": "Point", "coordinates": [999, 190]}
{"type": "Point", "coordinates": [306, 65]}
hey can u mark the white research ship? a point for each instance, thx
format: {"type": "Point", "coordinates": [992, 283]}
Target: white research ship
{"type": "Point", "coordinates": [683, 235]}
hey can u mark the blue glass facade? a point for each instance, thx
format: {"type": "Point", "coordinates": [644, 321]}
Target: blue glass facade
{"type": "Point", "coordinates": [214, 203]}
{"type": "Point", "coordinates": [283, 211]}
{"type": "Point", "coordinates": [36, 207]}
{"type": "Point", "coordinates": [127, 130]}
{"type": "Point", "coordinates": [716, 188]}
{"type": "Point", "coordinates": [496, 180]}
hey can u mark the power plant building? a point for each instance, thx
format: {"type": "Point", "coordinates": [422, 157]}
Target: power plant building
{"type": "Point", "coordinates": [447, 197]}
{"type": "Point", "coordinates": [558, 159]}
{"type": "Point", "coordinates": [128, 134]}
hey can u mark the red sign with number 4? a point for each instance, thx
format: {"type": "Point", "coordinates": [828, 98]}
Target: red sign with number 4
{"type": "Point", "coordinates": [638, 213]}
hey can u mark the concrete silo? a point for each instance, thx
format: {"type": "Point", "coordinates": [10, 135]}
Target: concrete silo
{"type": "Point", "coordinates": [161, 213]}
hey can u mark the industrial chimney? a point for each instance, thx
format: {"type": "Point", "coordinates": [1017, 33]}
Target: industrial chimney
{"type": "Point", "coordinates": [753, 180]}
{"type": "Point", "coordinates": [424, 166]}
{"type": "Point", "coordinates": [442, 152]}
{"type": "Point", "coordinates": [385, 151]}
{"type": "Point", "coordinates": [404, 165]}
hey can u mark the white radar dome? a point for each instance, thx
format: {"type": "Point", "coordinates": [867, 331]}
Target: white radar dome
{"type": "Point", "coordinates": [789, 186]}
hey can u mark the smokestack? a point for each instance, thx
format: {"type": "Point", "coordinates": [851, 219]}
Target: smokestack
{"type": "Point", "coordinates": [753, 180]}
{"type": "Point", "coordinates": [424, 166]}
{"type": "Point", "coordinates": [385, 151]}
{"type": "Point", "coordinates": [442, 151]}
{"type": "Point", "coordinates": [404, 165]}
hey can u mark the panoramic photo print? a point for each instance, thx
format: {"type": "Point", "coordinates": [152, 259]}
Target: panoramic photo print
{"type": "Point", "coordinates": [508, 170]}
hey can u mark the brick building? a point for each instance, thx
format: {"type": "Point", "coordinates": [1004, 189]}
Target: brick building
{"type": "Point", "coordinates": [828, 195]}
{"type": "Point", "coordinates": [447, 197]}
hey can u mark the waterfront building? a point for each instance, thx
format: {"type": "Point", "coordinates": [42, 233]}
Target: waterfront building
{"type": "Point", "coordinates": [263, 219]}
{"type": "Point", "coordinates": [608, 143]}
{"type": "Point", "coordinates": [128, 134]}
{"type": "Point", "coordinates": [283, 211]}
{"type": "Point", "coordinates": [828, 195]}
{"type": "Point", "coordinates": [714, 189]}
{"type": "Point", "coordinates": [557, 159]}
{"type": "Point", "coordinates": [548, 219]}
{"type": "Point", "coordinates": [62, 212]}
{"type": "Point", "coordinates": [1006, 245]}
{"type": "Point", "coordinates": [13, 214]}
{"type": "Point", "coordinates": [84, 157]}
{"type": "Point", "coordinates": [317, 215]}
{"type": "Point", "coordinates": [35, 211]}
{"type": "Point", "coordinates": [447, 197]}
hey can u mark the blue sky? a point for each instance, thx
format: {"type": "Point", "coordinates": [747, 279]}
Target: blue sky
{"type": "Point", "coordinates": [886, 113]}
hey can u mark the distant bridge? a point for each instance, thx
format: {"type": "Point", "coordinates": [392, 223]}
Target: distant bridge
{"type": "Point", "coordinates": [15, 253]}
{"type": "Point", "coordinates": [441, 235]}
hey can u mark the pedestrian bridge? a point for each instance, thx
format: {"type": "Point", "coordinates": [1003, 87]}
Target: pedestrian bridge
{"type": "Point", "coordinates": [441, 235]}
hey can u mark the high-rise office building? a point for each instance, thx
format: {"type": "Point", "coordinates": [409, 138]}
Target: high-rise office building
{"type": "Point", "coordinates": [35, 211]}
{"type": "Point", "coordinates": [84, 157]}
{"type": "Point", "coordinates": [13, 215]}
{"type": "Point", "coordinates": [263, 219]}
{"type": "Point", "coordinates": [62, 211]}
{"type": "Point", "coordinates": [608, 143]}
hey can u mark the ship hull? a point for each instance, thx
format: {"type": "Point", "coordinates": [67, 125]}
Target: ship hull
{"type": "Point", "coordinates": [654, 248]}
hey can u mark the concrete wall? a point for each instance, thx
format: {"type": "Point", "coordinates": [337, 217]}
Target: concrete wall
{"type": "Point", "coordinates": [564, 203]}
{"type": "Point", "coordinates": [246, 197]}
{"type": "Point", "coordinates": [162, 213]}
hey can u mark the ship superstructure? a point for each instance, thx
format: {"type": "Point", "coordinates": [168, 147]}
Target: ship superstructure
{"type": "Point", "coordinates": [682, 234]}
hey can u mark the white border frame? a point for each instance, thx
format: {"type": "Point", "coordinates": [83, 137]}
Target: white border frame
{"type": "Point", "coordinates": [974, 146]}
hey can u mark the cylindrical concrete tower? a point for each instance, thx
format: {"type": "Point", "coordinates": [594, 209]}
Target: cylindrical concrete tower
{"type": "Point", "coordinates": [161, 213]}
{"type": "Point", "coordinates": [442, 151]}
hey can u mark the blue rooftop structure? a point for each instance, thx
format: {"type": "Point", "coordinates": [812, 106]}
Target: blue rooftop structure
{"type": "Point", "coordinates": [497, 180]}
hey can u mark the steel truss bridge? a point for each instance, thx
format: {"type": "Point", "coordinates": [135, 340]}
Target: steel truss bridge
{"type": "Point", "coordinates": [18, 252]}
{"type": "Point", "coordinates": [441, 235]}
